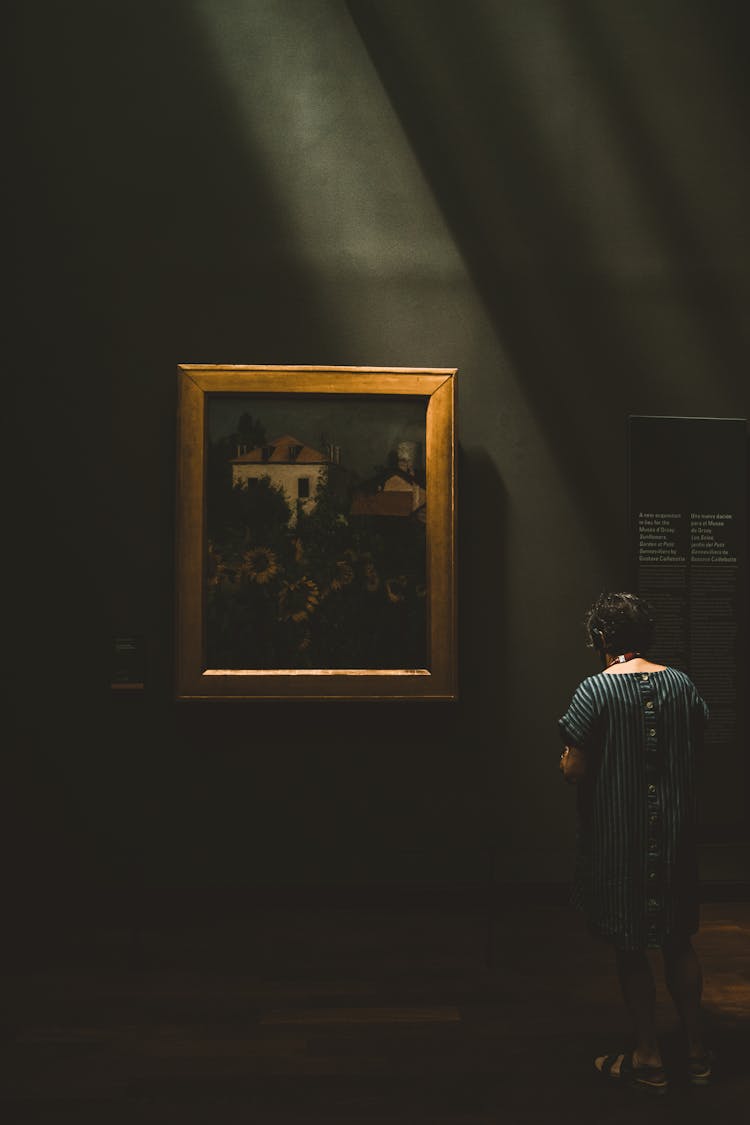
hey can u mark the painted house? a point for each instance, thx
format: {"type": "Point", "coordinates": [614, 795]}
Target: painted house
{"type": "Point", "coordinates": [289, 464]}
{"type": "Point", "coordinates": [399, 493]}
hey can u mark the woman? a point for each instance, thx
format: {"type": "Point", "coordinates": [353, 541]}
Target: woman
{"type": "Point", "coordinates": [631, 736]}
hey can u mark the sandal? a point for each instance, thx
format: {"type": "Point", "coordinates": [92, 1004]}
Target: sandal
{"type": "Point", "coordinates": [699, 1069]}
{"type": "Point", "coordinates": [649, 1079]}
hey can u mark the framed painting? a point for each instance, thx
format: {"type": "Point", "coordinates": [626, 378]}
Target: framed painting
{"type": "Point", "coordinates": [316, 543]}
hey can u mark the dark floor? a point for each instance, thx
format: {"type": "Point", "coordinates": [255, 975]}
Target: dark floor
{"type": "Point", "coordinates": [346, 1015]}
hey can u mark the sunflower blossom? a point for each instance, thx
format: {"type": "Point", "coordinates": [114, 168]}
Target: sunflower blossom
{"type": "Point", "coordinates": [298, 600]}
{"type": "Point", "coordinates": [343, 576]}
{"type": "Point", "coordinates": [259, 565]}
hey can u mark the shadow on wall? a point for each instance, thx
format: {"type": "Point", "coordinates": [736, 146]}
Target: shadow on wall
{"type": "Point", "coordinates": [483, 629]}
{"type": "Point", "coordinates": [484, 641]}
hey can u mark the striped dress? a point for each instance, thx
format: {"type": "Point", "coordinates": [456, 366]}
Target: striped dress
{"type": "Point", "coordinates": [636, 869]}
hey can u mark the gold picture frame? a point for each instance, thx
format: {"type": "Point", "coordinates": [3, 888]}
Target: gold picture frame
{"type": "Point", "coordinates": [207, 392]}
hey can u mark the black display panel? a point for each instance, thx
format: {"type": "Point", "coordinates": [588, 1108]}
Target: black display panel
{"type": "Point", "coordinates": [688, 504]}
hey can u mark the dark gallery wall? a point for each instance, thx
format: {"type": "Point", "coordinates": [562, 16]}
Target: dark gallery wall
{"type": "Point", "coordinates": [549, 195]}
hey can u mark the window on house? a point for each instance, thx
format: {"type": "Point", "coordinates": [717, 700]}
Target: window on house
{"type": "Point", "coordinates": [303, 487]}
{"type": "Point", "coordinates": [294, 452]}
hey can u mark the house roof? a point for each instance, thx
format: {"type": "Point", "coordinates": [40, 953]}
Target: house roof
{"type": "Point", "coordinates": [397, 482]}
{"type": "Point", "coordinates": [395, 503]}
{"type": "Point", "coordinates": [280, 455]}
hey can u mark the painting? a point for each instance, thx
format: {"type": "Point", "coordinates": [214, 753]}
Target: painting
{"type": "Point", "coordinates": [316, 545]}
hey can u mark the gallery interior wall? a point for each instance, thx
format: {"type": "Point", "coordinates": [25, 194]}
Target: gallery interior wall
{"type": "Point", "coordinates": [549, 195]}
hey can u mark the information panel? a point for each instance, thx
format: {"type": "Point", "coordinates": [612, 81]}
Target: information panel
{"type": "Point", "coordinates": [689, 524]}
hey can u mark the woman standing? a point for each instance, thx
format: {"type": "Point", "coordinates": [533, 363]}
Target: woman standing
{"type": "Point", "coordinates": [631, 737]}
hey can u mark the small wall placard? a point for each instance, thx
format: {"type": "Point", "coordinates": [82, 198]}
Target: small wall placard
{"type": "Point", "coordinates": [128, 664]}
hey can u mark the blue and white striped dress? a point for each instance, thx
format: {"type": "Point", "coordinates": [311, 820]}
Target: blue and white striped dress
{"type": "Point", "coordinates": [636, 869]}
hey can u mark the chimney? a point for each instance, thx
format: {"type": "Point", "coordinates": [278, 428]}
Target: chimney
{"type": "Point", "coordinates": [406, 456]}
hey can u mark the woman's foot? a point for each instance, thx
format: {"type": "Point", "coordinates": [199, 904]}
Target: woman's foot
{"type": "Point", "coordinates": [635, 1070]}
{"type": "Point", "coordinates": [699, 1068]}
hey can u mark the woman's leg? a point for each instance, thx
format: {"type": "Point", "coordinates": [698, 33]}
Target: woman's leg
{"type": "Point", "coordinates": [639, 994]}
{"type": "Point", "coordinates": [682, 971]}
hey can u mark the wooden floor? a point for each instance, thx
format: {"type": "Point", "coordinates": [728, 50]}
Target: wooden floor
{"type": "Point", "coordinates": [348, 1015]}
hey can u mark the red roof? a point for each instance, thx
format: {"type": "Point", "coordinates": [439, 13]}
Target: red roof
{"type": "Point", "coordinates": [394, 503]}
{"type": "Point", "coordinates": [281, 455]}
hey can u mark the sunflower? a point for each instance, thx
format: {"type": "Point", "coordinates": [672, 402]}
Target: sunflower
{"type": "Point", "coordinates": [259, 565]}
{"type": "Point", "coordinates": [343, 575]}
{"type": "Point", "coordinates": [395, 588]}
{"type": "Point", "coordinates": [298, 600]}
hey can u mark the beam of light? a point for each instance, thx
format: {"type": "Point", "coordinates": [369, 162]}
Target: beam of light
{"type": "Point", "coordinates": [351, 190]}
{"type": "Point", "coordinates": [357, 206]}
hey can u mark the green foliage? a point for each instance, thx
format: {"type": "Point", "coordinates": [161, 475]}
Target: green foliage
{"type": "Point", "coordinates": [249, 433]}
{"type": "Point", "coordinates": [257, 513]}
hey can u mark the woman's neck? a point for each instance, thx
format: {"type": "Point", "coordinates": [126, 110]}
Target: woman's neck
{"type": "Point", "coordinates": [634, 663]}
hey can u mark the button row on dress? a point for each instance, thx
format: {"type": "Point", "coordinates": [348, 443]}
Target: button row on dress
{"type": "Point", "coordinates": [653, 905]}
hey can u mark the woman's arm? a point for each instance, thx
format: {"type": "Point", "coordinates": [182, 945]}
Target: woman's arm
{"type": "Point", "coordinates": [573, 764]}
{"type": "Point", "coordinates": [580, 730]}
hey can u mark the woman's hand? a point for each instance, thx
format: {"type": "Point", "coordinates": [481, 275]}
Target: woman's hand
{"type": "Point", "coordinates": [573, 765]}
